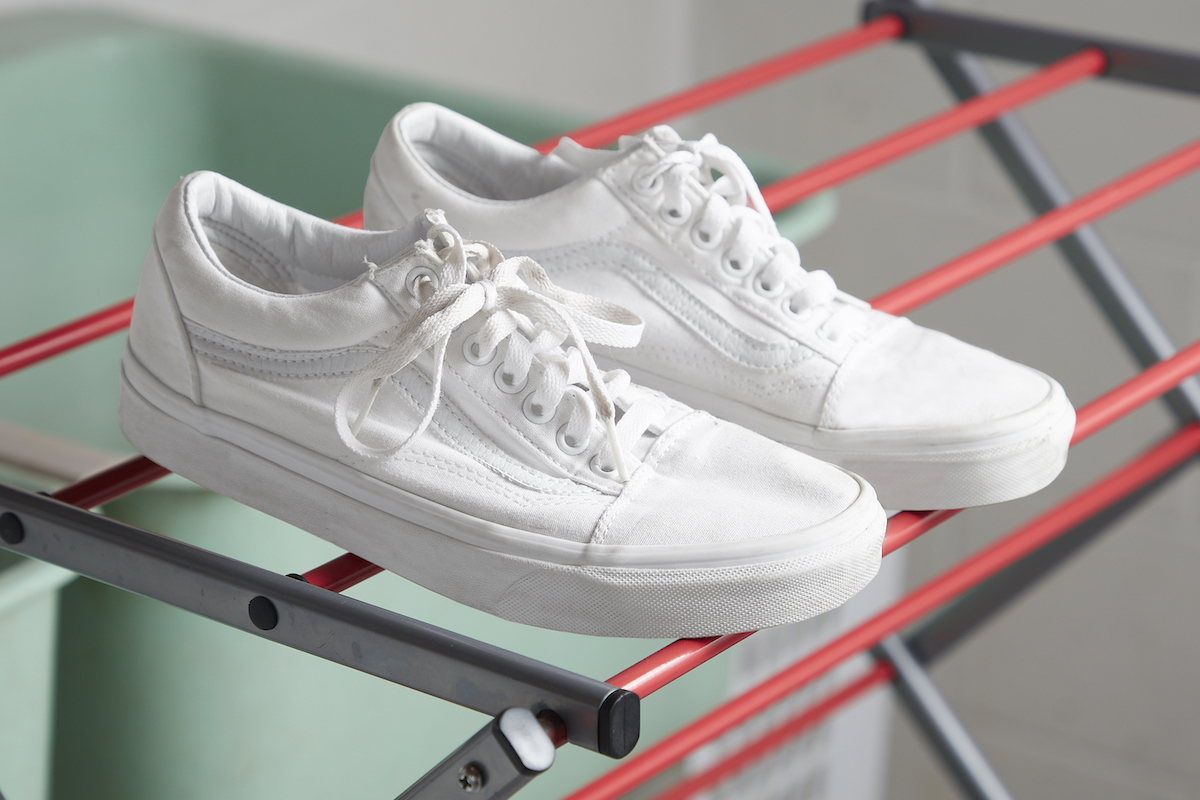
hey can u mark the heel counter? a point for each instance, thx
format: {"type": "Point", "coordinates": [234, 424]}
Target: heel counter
{"type": "Point", "coordinates": [157, 337]}
{"type": "Point", "coordinates": [379, 209]}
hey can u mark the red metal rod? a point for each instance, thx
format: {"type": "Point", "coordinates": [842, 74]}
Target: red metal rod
{"type": "Point", "coordinates": [743, 80]}
{"type": "Point", "coordinates": [969, 114]}
{"type": "Point", "coordinates": [342, 573]}
{"type": "Point", "coordinates": [1043, 230]}
{"type": "Point", "coordinates": [682, 656]}
{"type": "Point", "coordinates": [800, 723]}
{"type": "Point", "coordinates": [1148, 385]}
{"type": "Point", "coordinates": [1175, 450]}
{"type": "Point", "coordinates": [96, 490]}
{"type": "Point", "coordinates": [665, 665]}
{"type": "Point", "coordinates": [908, 525]}
{"type": "Point", "coordinates": [65, 337]}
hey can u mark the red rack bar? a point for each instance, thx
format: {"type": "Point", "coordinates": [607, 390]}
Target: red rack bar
{"type": "Point", "coordinates": [969, 114]}
{"type": "Point", "coordinates": [682, 656]}
{"type": "Point", "coordinates": [800, 723]}
{"type": "Point", "coordinates": [1043, 230]}
{"type": "Point", "coordinates": [743, 80]}
{"type": "Point", "coordinates": [1152, 382]}
{"type": "Point", "coordinates": [65, 337]}
{"type": "Point", "coordinates": [1165, 456]}
{"type": "Point", "coordinates": [98, 489]}
{"type": "Point", "coordinates": [342, 573]}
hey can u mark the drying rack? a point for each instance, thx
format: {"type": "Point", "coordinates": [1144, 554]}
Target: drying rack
{"type": "Point", "coordinates": [536, 707]}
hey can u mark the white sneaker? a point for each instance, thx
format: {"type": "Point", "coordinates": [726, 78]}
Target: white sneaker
{"type": "Point", "coordinates": [443, 418]}
{"type": "Point", "coordinates": [733, 324]}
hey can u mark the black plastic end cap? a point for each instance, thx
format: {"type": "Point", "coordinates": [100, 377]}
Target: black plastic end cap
{"type": "Point", "coordinates": [11, 530]}
{"type": "Point", "coordinates": [263, 613]}
{"type": "Point", "coordinates": [620, 723]}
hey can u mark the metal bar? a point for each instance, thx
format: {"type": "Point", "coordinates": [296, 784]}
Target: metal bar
{"type": "Point", "coordinates": [1163, 457]}
{"type": "Point", "coordinates": [1085, 250]}
{"type": "Point", "coordinates": [967, 115]}
{"type": "Point", "coordinates": [949, 30]}
{"type": "Point", "coordinates": [963, 616]}
{"type": "Point", "coordinates": [341, 573]}
{"type": "Point", "coordinates": [1041, 231]}
{"type": "Point", "coordinates": [496, 763]}
{"type": "Point", "coordinates": [932, 640]}
{"type": "Point", "coordinates": [940, 724]}
{"type": "Point", "coordinates": [1152, 382]}
{"type": "Point", "coordinates": [680, 657]}
{"type": "Point", "coordinates": [876, 31]}
{"type": "Point", "coordinates": [65, 337]}
{"type": "Point", "coordinates": [117, 480]}
{"type": "Point", "coordinates": [797, 725]}
{"type": "Point", "coordinates": [346, 631]}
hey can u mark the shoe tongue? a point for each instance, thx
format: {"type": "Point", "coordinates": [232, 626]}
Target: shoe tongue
{"type": "Point", "coordinates": [583, 158]}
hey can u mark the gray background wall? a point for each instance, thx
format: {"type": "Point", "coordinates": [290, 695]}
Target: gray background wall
{"type": "Point", "coordinates": [1086, 688]}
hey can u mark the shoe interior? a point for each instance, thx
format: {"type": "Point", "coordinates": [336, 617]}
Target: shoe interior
{"type": "Point", "coordinates": [480, 161]}
{"type": "Point", "coordinates": [279, 248]}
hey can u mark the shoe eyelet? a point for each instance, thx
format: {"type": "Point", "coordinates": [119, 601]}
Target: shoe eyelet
{"type": "Point", "coordinates": [734, 267]}
{"type": "Point", "coordinates": [703, 239]}
{"type": "Point", "coordinates": [646, 187]}
{"type": "Point", "coordinates": [829, 336]}
{"type": "Point", "coordinates": [505, 386]}
{"type": "Point", "coordinates": [802, 313]}
{"type": "Point", "coordinates": [528, 407]}
{"type": "Point", "coordinates": [765, 290]}
{"type": "Point", "coordinates": [415, 275]}
{"type": "Point", "coordinates": [470, 352]}
{"type": "Point", "coordinates": [676, 216]}
{"type": "Point", "coordinates": [602, 469]}
{"type": "Point", "coordinates": [567, 447]}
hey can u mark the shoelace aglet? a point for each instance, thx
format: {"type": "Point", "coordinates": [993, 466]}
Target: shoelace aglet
{"type": "Point", "coordinates": [610, 427]}
{"type": "Point", "coordinates": [376, 385]}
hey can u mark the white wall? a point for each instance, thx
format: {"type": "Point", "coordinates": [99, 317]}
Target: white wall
{"type": "Point", "coordinates": [1086, 687]}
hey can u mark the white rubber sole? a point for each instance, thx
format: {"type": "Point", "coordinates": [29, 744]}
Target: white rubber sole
{"type": "Point", "coordinates": [646, 592]}
{"type": "Point", "coordinates": [917, 469]}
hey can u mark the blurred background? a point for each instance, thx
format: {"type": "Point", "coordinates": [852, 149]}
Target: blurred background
{"type": "Point", "coordinates": [1084, 688]}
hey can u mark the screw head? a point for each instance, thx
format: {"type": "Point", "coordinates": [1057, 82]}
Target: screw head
{"type": "Point", "coordinates": [471, 778]}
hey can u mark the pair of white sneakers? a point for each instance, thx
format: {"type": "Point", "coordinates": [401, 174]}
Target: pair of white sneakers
{"type": "Point", "coordinates": [469, 421]}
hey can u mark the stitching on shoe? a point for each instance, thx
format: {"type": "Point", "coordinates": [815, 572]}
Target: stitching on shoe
{"type": "Point", "coordinates": [666, 442]}
{"type": "Point", "coordinates": [691, 311]}
{"type": "Point", "coordinates": [578, 478]}
{"type": "Point", "coordinates": [242, 238]}
{"type": "Point", "coordinates": [546, 483]}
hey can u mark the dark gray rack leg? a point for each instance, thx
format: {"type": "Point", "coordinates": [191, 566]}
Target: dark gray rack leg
{"type": "Point", "coordinates": [942, 728]}
{"type": "Point", "coordinates": [508, 753]}
{"type": "Point", "coordinates": [1044, 190]}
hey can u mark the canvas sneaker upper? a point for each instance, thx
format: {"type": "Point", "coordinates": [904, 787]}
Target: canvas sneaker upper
{"type": "Point", "coordinates": [435, 407]}
{"type": "Point", "coordinates": [678, 232]}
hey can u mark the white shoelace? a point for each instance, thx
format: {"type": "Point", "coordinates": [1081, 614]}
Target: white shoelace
{"type": "Point", "coordinates": [466, 279]}
{"type": "Point", "coordinates": [734, 217]}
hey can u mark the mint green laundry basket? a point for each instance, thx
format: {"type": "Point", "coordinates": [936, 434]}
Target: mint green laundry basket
{"type": "Point", "coordinates": [100, 117]}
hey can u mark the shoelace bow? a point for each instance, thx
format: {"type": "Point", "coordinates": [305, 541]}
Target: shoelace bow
{"type": "Point", "coordinates": [466, 279]}
{"type": "Point", "coordinates": [735, 216]}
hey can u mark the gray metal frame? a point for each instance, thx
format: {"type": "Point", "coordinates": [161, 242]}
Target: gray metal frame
{"type": "Point", "coordinates": [944, 35]}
